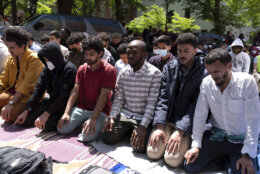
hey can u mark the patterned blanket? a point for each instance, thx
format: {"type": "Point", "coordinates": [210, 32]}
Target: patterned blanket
{"type": "Point", "coordinates": [75, 156]}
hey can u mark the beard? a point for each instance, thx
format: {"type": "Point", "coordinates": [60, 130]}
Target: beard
{"type": "Point", "coordinates": [92, 62]}
{"type": "Point", "coordinates": [73, 49]}
{"type": "Point", "coordinates": [223, 79]}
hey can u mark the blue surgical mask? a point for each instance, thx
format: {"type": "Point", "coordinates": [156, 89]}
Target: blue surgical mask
{"type": "Point", "coordinates": [163, 53]}
{"type": "Point", "coordinates": [155, 51]}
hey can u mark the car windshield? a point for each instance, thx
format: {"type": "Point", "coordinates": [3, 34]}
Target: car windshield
{"type": "Point", "coordinates": [27, 22]}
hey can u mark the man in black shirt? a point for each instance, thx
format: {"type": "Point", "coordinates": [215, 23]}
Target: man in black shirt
{"type": "Point", "coordinates": [76, 55]}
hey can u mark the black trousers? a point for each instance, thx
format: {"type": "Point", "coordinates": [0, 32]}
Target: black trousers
{"type": "Point", "coordinates": [124, 127]}
{"type": "Point", "coordinates": [211, 150]}
{"type": "Point", "coordinates": [36, 112]}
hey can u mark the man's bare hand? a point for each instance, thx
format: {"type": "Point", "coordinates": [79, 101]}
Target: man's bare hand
{"type": "Point", "coordinates": [191, 155]}
{"type": "Point", "coordinates": [109, 125]}
{"type": "Point", "coordinates": [137, 137]}
{"type": "Point", "coordinates": [246, 165]}
{"type": "Point", "coordinates": [174, 142]}
{"type": "Point", "coordinates": [64, 119]}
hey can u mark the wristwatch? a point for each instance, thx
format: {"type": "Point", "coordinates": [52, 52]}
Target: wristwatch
{"type": "Point", "coordinates": [11, 102]}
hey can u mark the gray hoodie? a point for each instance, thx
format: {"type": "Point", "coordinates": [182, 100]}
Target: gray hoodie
{"type": "Point", "coordinates": [240, 61]}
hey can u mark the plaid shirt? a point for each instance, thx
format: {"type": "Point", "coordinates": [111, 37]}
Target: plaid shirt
{"type": "Point", "coordinates": [137, 93]}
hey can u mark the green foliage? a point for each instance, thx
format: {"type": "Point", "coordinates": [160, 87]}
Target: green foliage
{"type": "Point", "coordinates": [78, 6]}
{"type": "Point", "coordinates": [156, 17]}
{"type": "Point", "coordinates": [247, 11]}
{"type": "Point", "coordinates": [45, 6]}
{"type": "Point", "coordinates": [180, 24]}
{"type": "Point", "coordinates": [237, 13]}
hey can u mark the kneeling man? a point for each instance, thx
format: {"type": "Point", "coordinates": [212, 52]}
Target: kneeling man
{"type": "Point", "coordinates": [57, 79]}
{"type": "Point", "coordinates": [94, 82]}
{"type": "Point", "coordinates": [176, 105]}
{"type": "Point", "coordinates": [232, 98]}
{"type": "Point", "coordinates": [137, 90]}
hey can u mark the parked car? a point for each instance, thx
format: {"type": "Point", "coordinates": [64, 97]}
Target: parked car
{"type": "Point", "coordinates": [43, 24]}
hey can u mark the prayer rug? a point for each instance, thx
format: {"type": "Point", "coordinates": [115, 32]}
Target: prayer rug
{"type": "Point", "coordinates": [73, 156]}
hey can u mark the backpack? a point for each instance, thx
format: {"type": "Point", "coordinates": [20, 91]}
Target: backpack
{"type": "Point", "coordinates": [15, 160]}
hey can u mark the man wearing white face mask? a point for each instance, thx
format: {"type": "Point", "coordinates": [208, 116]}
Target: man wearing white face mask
{"type": "Point", "coordinates": [174, 111]}
{"type": "Point", "coordinates": [57, 79]}
{"type": "Point", "coordinates": [164, 55]}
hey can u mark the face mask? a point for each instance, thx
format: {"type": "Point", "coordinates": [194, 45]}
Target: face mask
{"type": "Point", "coordinates": [50, 65]}
{"type": "Point", "coordinates": [163, 53]}
{"type": "Point", "coordinates": [155, 51]}
{"type": "Point", "coordinates": [254, 52]}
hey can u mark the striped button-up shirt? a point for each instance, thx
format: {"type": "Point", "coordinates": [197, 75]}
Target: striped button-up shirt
{"type": "Point", "coordinates": [137, 93]}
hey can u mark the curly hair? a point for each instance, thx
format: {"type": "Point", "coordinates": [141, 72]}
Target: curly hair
{"type": "Point", "coordinates": [122, 48]}
{"type": "Point", "coordinates": [74, 38]}
{"type": "Point", "coordinates": [93, 42]}
{"type": "Point", "coordinates": [17, 35]}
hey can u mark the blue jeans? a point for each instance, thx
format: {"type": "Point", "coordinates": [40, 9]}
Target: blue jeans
{"type": "Point", "coordinates": [213, 149]}
{"type": "Point", "coordinates": [78, 117]}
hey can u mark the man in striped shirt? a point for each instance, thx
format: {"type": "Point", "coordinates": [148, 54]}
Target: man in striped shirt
{"type": "Point", "coordinates": [136, 95]}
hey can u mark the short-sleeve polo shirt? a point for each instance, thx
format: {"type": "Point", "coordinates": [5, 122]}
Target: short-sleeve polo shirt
{"type": "Point", "coordinates": [90, 85]}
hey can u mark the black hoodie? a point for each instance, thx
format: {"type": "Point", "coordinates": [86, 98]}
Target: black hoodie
{"type": "Point", "coordinates": [57, 82]}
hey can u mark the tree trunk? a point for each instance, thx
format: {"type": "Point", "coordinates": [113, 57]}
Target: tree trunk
{"type": "Point", "coordinates": [2, 6]}
{"type": "Point", "coordinates": [14, 11]}
{"type": "Point", "coordinates": [84, 8]}
{"type": "Point", "coordinates": [218, 27]}
{"type": "Point", "coordinates": [166, 10]}
{"type": "Point", "coordinates": [91, 10]}
{"type": "Point", "coordinates": [33, 7]}
{"type": "Point", "coordinates": [64, 6]}
{"type": "Point", "coordinates": [118, 6]}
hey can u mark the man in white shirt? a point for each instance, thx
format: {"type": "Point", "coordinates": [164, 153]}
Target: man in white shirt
{"type": "Point", "coordinates": [123, 61]}
{"type": "Point", "coordinates": [4, 53]}
{"type": "Point", "coordinates": [233, 100]}
{"type": "Point", "coordinates": [33, 45]}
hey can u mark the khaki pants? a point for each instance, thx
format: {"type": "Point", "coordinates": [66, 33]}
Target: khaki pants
{"type": "Point", "coordinates": [172, 159]}
{"type": "Point", "coordinates": [17, 108]}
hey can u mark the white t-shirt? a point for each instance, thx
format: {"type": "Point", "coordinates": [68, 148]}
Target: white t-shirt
{"type": "Point", "coordinates": [4, 53]}
{"type": "Point", "coordinates": [120, 65]}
